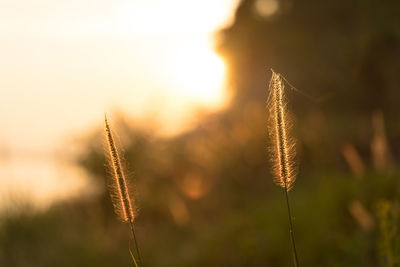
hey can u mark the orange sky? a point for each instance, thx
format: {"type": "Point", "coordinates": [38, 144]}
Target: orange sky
{"type": "Point", "coordinates": [64, 63]}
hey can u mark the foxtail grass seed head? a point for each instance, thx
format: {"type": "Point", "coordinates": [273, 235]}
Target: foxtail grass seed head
{"type": "Point", "coordinates": [118, 186]}
{"type": "Point", "coordinates": [282, 144]}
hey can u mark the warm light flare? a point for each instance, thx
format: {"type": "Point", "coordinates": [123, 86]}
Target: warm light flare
{"type": "Point", "coordinates": [149, 17]}
{"type": "Point", "coordinates": [197, 74]}
{"type": "Point", "coordinates": [148, 58]}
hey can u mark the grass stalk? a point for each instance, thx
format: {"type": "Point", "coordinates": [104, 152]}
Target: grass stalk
{"type": "Point", "coordinates": [283, 147]}
{"type": "Point", "coordinates": [294, 250]}
{"type": "Point", "coordinates": [136, 244]}
{"type": "Point", "coordinates": [119, 190]}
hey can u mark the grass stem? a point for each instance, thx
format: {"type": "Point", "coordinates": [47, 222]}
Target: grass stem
{"type": "Point", "coordinates": [136, 244]}
{"type": "Point", "coordinates": [295, 259]}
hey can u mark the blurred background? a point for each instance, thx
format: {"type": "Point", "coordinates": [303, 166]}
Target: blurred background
{"type": "Point", "coordinates": [185, 85]}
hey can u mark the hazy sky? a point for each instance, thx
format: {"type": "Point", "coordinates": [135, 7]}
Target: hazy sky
{"type": "Point", "coordinates": [64, 63]}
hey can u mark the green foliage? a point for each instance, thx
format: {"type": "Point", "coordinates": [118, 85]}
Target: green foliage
{"type": "Point", "coordinates": [206, 197]}
{"type": "Point", "coordinates": [250, 229]}
{"type": "Point", "coordinates": [389, 241]}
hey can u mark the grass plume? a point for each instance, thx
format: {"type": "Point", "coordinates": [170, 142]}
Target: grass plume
{"type": "Point", "coordinates": [118, 187]}
{"type": "Point", "coordinates": [283, 145]}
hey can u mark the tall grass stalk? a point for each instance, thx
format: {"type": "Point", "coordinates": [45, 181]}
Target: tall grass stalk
{"type": "Point", "coordinates": [118, 187]}
{"type": "Point", "coordinates": [283, 146]}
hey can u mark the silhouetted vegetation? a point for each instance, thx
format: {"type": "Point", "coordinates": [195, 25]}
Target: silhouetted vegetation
{"type": "Point", "coordinates": [206, 197]}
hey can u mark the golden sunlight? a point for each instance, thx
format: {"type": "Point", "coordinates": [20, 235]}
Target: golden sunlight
{"type": "Point", "coordinates": [151, 59]}
{"type": "Point", "coordinates": [146, 18]}
{"type": "Point", "coordinates": [197, 74]}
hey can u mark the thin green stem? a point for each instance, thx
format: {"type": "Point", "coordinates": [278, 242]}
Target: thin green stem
{"type": "Point", "coordinates": [136, 244]}
{"type": "Point", "coordinates": [133, 257]}
{"type": "Point", "coordinates": [296, 261]}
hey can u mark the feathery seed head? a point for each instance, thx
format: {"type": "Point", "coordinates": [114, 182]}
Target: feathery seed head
{"type": "Point", "coordinates": [282, 144]}
{"type": "Point", "coordinates": [118, 186]}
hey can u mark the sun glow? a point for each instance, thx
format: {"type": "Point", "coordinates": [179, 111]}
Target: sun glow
{"type": "Point", "coordinates": [183, 56]}
{"type": "Point", "coordinates": [149, 17]}
{"type": "Point", "coordinates": [151, 59]}
{"type": "Point", "coordinates": [197, 74]}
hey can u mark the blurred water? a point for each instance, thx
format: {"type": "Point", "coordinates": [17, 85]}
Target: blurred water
{"type": "Point", "coordinates": [39, 180]}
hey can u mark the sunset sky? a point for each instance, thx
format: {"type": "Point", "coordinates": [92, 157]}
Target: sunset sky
{"type": "Point", "coordinates": [64, 63]}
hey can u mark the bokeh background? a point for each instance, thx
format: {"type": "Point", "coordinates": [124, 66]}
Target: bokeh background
{"type": "Point", "coordinates": [185, 85]}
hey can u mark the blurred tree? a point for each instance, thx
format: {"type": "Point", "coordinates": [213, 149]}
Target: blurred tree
{"type": "Point", "coordinates": [206, 197]}
{"type": "Point", "coordinates": [345, 55]}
